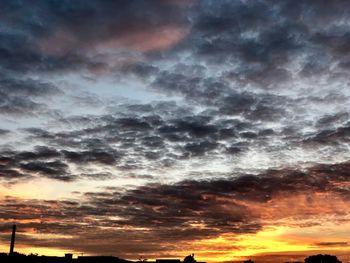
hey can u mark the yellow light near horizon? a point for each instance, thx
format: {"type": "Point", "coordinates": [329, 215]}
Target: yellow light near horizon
{"type": "Point", "coordinates": [289, 234]}
{"type": "Point", "coordinates": [268, 241]}
{"type": "Point", "coordinates": [37, 250]}
{"type": "Point", "coordinates": [227, 247]}
{"type": "Point", "coordinates": [243, 246]}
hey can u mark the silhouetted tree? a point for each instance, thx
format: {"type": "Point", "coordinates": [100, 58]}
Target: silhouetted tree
{"type": "Point", "coordinates": [322, 259]}
{"type": "Point", "coordinates": [248, 261]}
{"type": "Point", "coordinates": [189, 259]}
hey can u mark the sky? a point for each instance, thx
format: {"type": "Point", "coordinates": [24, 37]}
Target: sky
{"type": "Point", "coordinates": [161, 128]}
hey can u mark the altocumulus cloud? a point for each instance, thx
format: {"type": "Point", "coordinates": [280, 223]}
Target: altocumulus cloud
{"type": "Point", "coordinates": [185, 120]}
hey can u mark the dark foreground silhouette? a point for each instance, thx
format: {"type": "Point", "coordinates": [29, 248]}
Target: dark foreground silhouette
{"type": "Point", "coordinates": [20, 258]}
{"type": "Point", "coordinates": [68, 258]}
{"type": "Point", "coordinates": [322, 259]}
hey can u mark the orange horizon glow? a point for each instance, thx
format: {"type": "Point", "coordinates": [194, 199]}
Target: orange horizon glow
{"type": "Point", "coordinates": [293, 229]}
{"type": "Point", "coordinates": [276, 241]}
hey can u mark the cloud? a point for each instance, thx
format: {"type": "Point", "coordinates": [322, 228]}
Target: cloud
{"type": "Point", "coordinates": [262, 38]}
{"type": "Point", "coordinates": [163, 134]}
{"type": "Point", "coordinates": [16, 166]}
{"type": "Point", "coordinates": [51, 163]}
{"type": "Point", "coordinates": [20, 96]}
{"type": "Point", "coordinates": [4, 132]}
{"type": "Point", "coordinates": [250, 96]}
{"type": "Point", "coordinates": [182, 212]}
{"type": "Point", "coordinates": [54, 169]}
{"type": "Point", "coordinates": [104, 157]}
{"type": "Point", "coordinates": [56, 36]}
{"type": "Point", "coordinates": [331, 244]}
{"type": "Point", "coordinates": [143, 39]}
{"type": "Point", "coordinates": [151, 138]}
{"type": "Point", "coordinates": [337, 135]}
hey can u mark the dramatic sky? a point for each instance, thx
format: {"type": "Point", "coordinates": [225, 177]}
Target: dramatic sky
{"type": "Point", "coordinates": [158, 128]}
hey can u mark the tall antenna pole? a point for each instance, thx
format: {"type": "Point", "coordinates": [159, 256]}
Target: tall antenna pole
{"type": "Point", "coordinates": [13, 239]}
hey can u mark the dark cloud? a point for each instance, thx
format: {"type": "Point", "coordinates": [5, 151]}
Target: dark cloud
{"type": "Point", "coordinates": [57, 36]}
{"type": "Point", "coordinates": [160, 139]}
{"type": "Point", "coordinates": [4, 132]}
{"type": "Point", "coordinates": [103, 157]}
{"type": "Point", "coordinates": [40, 152]}
{"type": "Point", "coordinates": [331, 120]}
{"type": "Point", "coordinates": [263, 31]}
{"type": "Point", "coordinates": [336, 135]}
{"type": "Point", "coordinates": [20, 96]}
{"type": "Point", "coordinates": [218, 94]}
{"type": "Point", "coordinates": [11, 175]}
{"type": "Point", "coordinates": [52, 163]}
{"type": "Point", "coordinates": [18, 165]}
{"type": "Point", "coordinates": [256, 43]}
{"type": "Point", "coordinates": [164, 134]}
{"type": "Point", "coordinates": [55, 169]}
{"type": "Point", "coordinates": [18, 106]}
{"type": "Point", "coordinates": [262, 37]}
{"type": "Point", "coordinates": [141, 70]}
{"type": "Point", "coordinates": [27, 87]}
{"type": "Point", "coordinates": [182, 212]}
{"type": "Point", "coordinates": [332, 244]}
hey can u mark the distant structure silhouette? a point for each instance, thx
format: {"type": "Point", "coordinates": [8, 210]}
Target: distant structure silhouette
{"type": "Point", "coordinates": [13, 237]}
{"type": "Point", "coordinates": [322, 259]}
{"type": "Point", "coordinates": [101, 259]}
{"type": "Point", "coordinates": [15, 257]}
{"type": "Point", "coordinates": [189, 259]}
{"type": "Point", "coordinates": [168, 260]}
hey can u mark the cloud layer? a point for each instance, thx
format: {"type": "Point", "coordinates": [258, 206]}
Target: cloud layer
{"type": "Point", "coordinates": [183, 212]}
{"type": "Point", "coordinates": [177, 123]}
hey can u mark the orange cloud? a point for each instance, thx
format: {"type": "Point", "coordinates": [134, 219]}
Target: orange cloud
{"type": "Point", "coordinates": [218, 221]}
{"type": "Point", "coordinates": [142, 39]}
{"type": "Point", "coordinates": [153, 39]}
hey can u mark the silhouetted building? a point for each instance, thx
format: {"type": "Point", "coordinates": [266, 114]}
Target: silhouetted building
{"type": "Point", "coordinates": [13, 237]}
{"type": "Point", "coordinates": [98, 259]}
{"type": "Point", "coordinates": [322, 259]}
{"type": "Point", "coordinates": [189, 259]}
{"type": "Point", "coordinates": [68, 258]}
{"type": "Point", "coordinates": [168, 260]}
